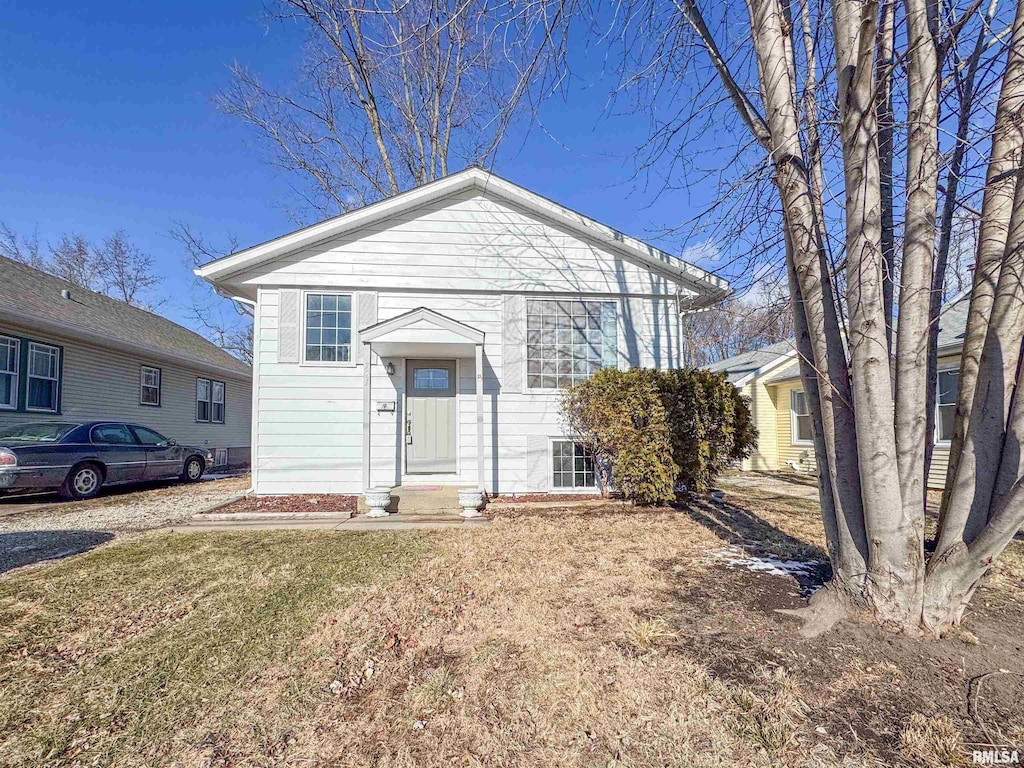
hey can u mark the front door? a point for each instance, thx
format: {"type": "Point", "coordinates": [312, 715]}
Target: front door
{"type": "Point", "coordinates": [430, 416]}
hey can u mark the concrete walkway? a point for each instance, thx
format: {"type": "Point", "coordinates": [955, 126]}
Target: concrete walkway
{"type": "Point", "coordinates": [333, 523]}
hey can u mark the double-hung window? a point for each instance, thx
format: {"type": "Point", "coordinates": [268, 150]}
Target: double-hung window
{"type": "Point", "coordinates": [149, 385]}
{"type": "Point", "coordinates": [10, 360]}
{"type": "Point", "coordinates": [568, 341]}
{"type": "Point", "coordinates": [801, 418]}
{"type": "Point", "coordinates": [210, 401]}
{"type": "Point", "coordinates": [947, 387]}
{"type": "Point", "coordinates": [328, 324]}
{"type": "Point", "coordinates": [43, 377]}
{"type": "Point", "coordinates": [573, 466]}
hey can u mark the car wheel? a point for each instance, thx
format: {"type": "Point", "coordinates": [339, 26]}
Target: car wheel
{"type": "Point", "coordinates": [82, 482]}
{"type": "Point", "coordinates": [193, 469]}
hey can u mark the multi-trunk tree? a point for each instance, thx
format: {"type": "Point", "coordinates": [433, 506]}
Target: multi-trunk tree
{"type": "Point", "coordinates": [871, 374]}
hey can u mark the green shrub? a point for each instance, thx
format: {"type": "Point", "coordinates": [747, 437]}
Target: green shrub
{"type": "Point", "coordinates": [650, 429]}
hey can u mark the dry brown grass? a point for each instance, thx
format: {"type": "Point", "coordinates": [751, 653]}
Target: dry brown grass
{"type": "Point", "coordinates": [932, 741]}
{"type": "Point", "coordinates": [555, 638]}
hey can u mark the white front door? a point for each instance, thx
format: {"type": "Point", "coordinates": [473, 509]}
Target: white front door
{"type": "Point", "coordinates": [430, 416]}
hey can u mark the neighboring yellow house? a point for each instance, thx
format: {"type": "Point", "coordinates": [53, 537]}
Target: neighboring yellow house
{"type": "Point", "coordinates": [770, 377]}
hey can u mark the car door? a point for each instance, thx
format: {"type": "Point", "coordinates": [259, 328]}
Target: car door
{"type": "Point", "coordinates": [163, 456]}
{"type": "Point", "coordinates": [119, 451]}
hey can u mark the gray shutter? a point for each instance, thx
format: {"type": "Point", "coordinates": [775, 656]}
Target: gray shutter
{"type": "Point", "coordinates": [538, 463]}
{"type": "Point", "coordinates": [288, 326]}
{"type": "Point", "coordinates": [366, 315]}
{"type": "Point", "coordinates": [512, 343]}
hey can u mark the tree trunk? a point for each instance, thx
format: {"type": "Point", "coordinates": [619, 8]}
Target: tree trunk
{"type": "Point", "coordinates": [895, 538]}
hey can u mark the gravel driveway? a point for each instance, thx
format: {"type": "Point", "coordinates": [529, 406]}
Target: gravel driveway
{"type": "Point", "coordinates": [66, 529]}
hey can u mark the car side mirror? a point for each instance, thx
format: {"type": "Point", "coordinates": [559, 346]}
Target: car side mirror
{"type": "Point", "coordinates": [172, 441]}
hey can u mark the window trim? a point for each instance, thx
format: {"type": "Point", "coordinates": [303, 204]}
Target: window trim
{"type": "Point", "coordinates": [936, 440]}
{"type": "Point", "coordinates": [29, 377]}
{"type": "Point", "coordinates": [208, 401]}
{"type": "Point", "coordinates": [16, 373]}
{"type": "Point", "coordinates": [525, 319]}
{"type": "Point", "coordinates": [159, 385]}
{"type": "Point", "coordinates": [581, 489]}
{"type": "Point", "coordinates": [223, 401]}
{"type": "Point", "coordinates": [353, 341]}
{"type": "Point", "coordinates": [794, 431]}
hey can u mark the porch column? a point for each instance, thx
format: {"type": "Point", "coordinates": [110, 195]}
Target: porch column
{"type": "Point", "coordinates": [366, 415]}
{"type": "Point", "coordinates": [480, 415]}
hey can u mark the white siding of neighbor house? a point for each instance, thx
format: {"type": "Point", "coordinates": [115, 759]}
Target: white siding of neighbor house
{"type": "Point", "coordinates": [466, 242]}
{"type": "Point", "coordinates": [309, 426]}
{"type": "Point", "coordinates": [100, 383]}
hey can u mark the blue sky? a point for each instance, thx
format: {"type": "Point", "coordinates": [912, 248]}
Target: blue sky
{"type": "Point", "coordinates": [108, 123]}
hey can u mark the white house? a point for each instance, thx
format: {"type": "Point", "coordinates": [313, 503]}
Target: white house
{"type": "Point", "coordinates": [425, 338]}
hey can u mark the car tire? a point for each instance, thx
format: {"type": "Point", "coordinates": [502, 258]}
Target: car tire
{"type": "Point", "coordinates": [193, 469]}
{"type": "Point", "coordinates": [84, 481]}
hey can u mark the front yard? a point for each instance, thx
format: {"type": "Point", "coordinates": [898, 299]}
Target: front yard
{"type": "Point", "coordinates": [552, 638]}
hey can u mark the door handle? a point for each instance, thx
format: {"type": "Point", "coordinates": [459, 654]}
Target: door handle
{"type": "Point", "coordinates": [408, 431]}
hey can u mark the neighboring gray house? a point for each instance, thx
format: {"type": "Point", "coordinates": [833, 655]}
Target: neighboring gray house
{"type": "Point", "coordinates": [67, 353]}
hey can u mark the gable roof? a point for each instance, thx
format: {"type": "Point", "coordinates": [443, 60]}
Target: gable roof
{"type": "Point", "coordinates": [757, 362]}
{"type": "Point", "coordinates": [29, 297]}
{"type": "Point", "coordinates": [740, 368]}
{"type": "Point", "coordinates": [708, 286]}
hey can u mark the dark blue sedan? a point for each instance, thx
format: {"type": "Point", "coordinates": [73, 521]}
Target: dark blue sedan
{"type": "Point", "coordinates": [78, 459]}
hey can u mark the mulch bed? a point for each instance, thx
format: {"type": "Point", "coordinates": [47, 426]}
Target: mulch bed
{"type": "Point", "coordinates": [524, 498]}
{"type": "Point", "coordinates": [295, 503]}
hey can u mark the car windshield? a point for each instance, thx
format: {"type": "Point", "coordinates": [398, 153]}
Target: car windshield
{"type": "Point", "coordinates": [48, 432]}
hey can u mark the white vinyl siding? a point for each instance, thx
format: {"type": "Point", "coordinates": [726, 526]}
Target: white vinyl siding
{"type": "Point", "coordinates": [309, 425]}
{"type": "Point", "coordinates": [10, 361]}
{"type": "Point", "coordinates": [149, 385]}
{"type": "Point", "coordinates": [43, 373]}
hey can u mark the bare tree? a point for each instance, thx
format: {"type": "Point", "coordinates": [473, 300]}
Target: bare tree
{"type": "Point", "coordinates": [733, 327]}
{"type": "Point", "coordinates": [23, 249]}
{"type": "Point", "coordinates": [72, 259]}
{"type": "Point", "coordinates": [395, 94]}
{"type": "Point", "coordinates": [226, 323]}
{"type": "Point", "coordinates": [869, 406]}
{"type": "Point", "coordinates": [127, 273]}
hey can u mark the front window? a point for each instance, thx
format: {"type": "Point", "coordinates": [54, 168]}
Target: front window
{"type": "Point", "coordinates": [149, 382]}
{"type": "Point", "coordinates": [801, 418]}
{"type": "Point", "coordinates": [945, 404]}
{"type": "Point", "coordinates": [43, 377]}
{"type": "Point", "coordinates": [328, 328]}
{"type": "Point", "coordinates": [10, 351]}
{"type": "Point", "coordinates": [568, 341]}
{"type": "Point", "coordinates": [573, 466]}
{"type": "Point", "coordinates": [218, 402]}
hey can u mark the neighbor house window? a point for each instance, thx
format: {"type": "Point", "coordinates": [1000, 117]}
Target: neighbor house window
{"type": "Point", "coordinates": [149, 385]}
{"type": "Point", "coordinates": [568, 341]}
{"type": "Point", "coordinates": [945, 404]}
{"type": "Point", "coordinates": [801, 418]}
{"type": "Point", "coordinates": [210, 401]}
{"type": "Point", "coordinates": [10, 352]}
{"type": "Point", "coordinates": [218, 402]}
{"type": "Point", "coordinates": [43, 377]}
{"type": "Point", "coordinates": [573, 466]}
{"type": "Point", "coordinates": [328, 328]}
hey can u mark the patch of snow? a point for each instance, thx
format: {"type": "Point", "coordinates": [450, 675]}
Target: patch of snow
{"type": "Point", "coordinates": [734, 557]}
{"type": "Point", "coordinates": [216, 476]}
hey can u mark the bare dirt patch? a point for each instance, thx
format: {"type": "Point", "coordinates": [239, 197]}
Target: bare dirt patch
{"type": "Point", "coordinates": [295, 504]}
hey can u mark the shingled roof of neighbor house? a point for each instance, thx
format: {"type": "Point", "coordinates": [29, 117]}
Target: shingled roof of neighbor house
{"type": "Point", "coordinates": [32, 298]}
{"type": "Point", "coordinates": [746, 363]}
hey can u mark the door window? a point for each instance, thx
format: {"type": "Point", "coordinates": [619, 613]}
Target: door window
{"type": "Point", "coordinates": [149, 437]}
{"type": "Point", "coordinates": [112, 434]}
{"type": "Point", "coordinates": [430, 378]}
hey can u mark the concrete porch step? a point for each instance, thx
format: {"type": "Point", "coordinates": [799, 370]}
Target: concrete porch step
{"type": "Point", "coordinates": [419, 500]}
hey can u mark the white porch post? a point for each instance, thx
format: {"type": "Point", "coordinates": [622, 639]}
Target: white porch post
{"type": "Point", "coordinates": [480, 414]}
{"type": "Point", "coordinates": [367, 351]}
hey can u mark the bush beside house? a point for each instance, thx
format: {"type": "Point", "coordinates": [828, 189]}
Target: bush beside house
{"type": "Point", "coordinates": [652, 430]}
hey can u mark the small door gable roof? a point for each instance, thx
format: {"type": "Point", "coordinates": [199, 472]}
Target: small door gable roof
{"type": "Point", "coordinates": [418, 318]}
{"type": "Point", "coordinates": [708, 286]}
